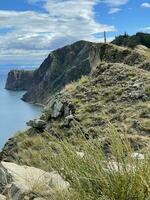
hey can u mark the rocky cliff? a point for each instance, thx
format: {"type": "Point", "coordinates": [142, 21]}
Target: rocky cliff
{"type": "Point", "coordinates": [19, 80]}
{"type": "Point", "coordinates": [66, 65]}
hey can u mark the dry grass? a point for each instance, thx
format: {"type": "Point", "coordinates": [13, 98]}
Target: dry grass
{"type": "Point", "coordinates": [92, 174]}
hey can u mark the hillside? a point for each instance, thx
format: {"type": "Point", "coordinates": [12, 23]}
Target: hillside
{"type": "Point", "coordinates": [68, 64]}
{"type": "Point", "coordinates": [117, 93]}
{"type": "Point", "coordinates": [133, 41]}
{"type": "Point", "coordinates": [94, 129]}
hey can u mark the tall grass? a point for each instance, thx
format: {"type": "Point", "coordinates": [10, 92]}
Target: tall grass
{"type": "Point", "coordinates": [93, 174]}
{"type": "Point", "coordinates": [117, 176]}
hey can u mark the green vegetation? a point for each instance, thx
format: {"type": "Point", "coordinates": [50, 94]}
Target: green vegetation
{"type": "Point", "coordinates": [92, 174]}
{"type": "Point", "coordinates": [133, 41]}
{"type": "Point", "coordinates": [120, 91]}
{"type": "Point", "coordinates": [147, 90]}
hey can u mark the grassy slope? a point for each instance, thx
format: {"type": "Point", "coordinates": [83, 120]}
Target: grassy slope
{"type": "Point", "coordinates": [113, 92]}
{"type": "Point", "coordinates": [118, 91]}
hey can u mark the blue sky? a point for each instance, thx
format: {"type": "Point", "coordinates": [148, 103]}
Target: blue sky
{"type": "Point", "coordinates": [30, 29]}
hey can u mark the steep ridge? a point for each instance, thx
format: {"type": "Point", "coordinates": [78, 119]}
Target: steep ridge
{"type": "Point", "coordinates": [68, 64]}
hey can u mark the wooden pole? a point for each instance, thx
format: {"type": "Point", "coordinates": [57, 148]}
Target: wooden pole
{"type": "Point", "coordinates": [105, 39]}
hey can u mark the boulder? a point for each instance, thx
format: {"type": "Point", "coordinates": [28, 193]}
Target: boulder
{"type": "Point", "coordinates": [138, 156]}
{"type": "Point", "coordinates": [24, 181]}
{"type": "Point", "coordinates": [2, 197]}
{"type": "Point", "coordinates": [68, 120]}
{"type": "Point", "coordinates": [54, 109]}
{"type": "Point", "coordinates": [58, 108]}
{"type": "Point", "coordinates": [37, 123]}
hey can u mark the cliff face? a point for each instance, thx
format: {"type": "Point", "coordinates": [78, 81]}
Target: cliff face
{"type": "Point", "coordinates": [19, 80]}
{"type": "Point", "coordinates": [59, 68]}
{"type": "Point", "coordinates": [66, 65]}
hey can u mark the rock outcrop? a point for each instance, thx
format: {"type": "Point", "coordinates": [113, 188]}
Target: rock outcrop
{"type": "Point", "coordinates": [19, 80]}
{"type": "Point", "coordinates": [66, 65]}
{"type": "Point", "coordinates": [25, 183]}
{"type": "Point", "coordinates": [55, 109]}
{"type": "Point", "coordinates": [37, 124]}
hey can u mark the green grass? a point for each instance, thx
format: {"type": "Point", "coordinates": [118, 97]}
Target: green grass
{"type": "Point", "coordinates": [147, 90]}
{"type": "Point", "coordinates": [96, 175]}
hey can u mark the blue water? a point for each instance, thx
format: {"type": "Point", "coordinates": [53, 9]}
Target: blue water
{"type": "Point", "coordinates": [14, 113]}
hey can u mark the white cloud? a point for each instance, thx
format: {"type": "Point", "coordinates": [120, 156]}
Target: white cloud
{"type": "Point", "coordinates": [32, 35]}
{"type": "Point", "coordinates": [145, 5]}
{"type": "Point", "coordinates": [115, 3]}
{"type": "Point", "coordinates": [145, 29]}
{"type": "Point", "coordinates": [114, 10]}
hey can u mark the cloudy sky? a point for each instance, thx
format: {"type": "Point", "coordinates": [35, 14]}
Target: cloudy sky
{"type": "Point", "coordinates": [30, 29]}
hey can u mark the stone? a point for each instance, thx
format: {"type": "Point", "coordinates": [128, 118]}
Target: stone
{"type": "Point", "coordinates": [37, 123]}
{"type": "Point", "coordinates": [68, 120]}
{"type": "Point", "coordinates": [48, 127]}
{"type": "Point", "coordinates": [2, 178]}
{"type": "Point", "coordinates": [113, 166]}
{"type": "Point", "coordinates": [80, 154]}
{"type": "Point", "coordinates": [2, 197]}
{"type": "Point", "coordinates": [67, 111]}
{"type": "Point", "coordinates": [54, 109]}
{"type": "Point", "coordinates": [138, 156]}
{"type": "Point", "coordinates": [57, 109]}
{"type": "Point", "coordinates": [18, 190]}
{"type": "Point", "coordinates": [29, 180]}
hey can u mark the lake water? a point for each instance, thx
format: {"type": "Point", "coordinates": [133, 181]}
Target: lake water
{"type": "Point", "coordinates": [14, 113]}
